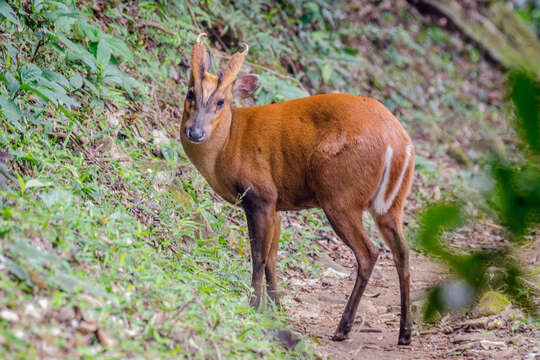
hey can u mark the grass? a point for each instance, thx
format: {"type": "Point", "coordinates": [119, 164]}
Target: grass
{"type": "Point", "coordinates": [130, 257]}
{"type": "Point", "coordinates": [113, 246]}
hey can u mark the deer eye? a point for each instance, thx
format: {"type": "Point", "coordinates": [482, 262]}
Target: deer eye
{"type": "Point", "coordinates": [190, 95]}
{"type": "Point", "coordinates": [220, 102]}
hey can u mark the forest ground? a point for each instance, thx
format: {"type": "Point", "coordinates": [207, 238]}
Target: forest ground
{"type": "Point", "coordinates": [315, 306]}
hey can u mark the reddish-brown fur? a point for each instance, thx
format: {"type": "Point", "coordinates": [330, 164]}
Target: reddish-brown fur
{"type": "Point", "coordinates": [325, 151]}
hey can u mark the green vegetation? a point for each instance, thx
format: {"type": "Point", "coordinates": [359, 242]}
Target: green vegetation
{"type": "Point", "coordinates": [515, 199]}
{"type": "Point", "coordinates": [530, 11]}
{"type": "Point", "coordinates": [92, 220]}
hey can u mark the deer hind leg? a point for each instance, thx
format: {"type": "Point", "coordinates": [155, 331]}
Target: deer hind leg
{"type": "Point", "coordinates": [390, 226]}
{"type": "Point", "coordinates": [389, 222]}
{"type": "Point", "coordinates": [348, 225]}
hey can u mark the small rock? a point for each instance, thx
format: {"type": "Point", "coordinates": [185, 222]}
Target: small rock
{"type": "Point", "coordinates": [490, 344]}
{"type": "Point", "coordinates": [495, 324]}
{"type": "Point", "coordinates": [447, 330]}
{"type": "Point", "coordinates": [326, 298]}
{"type": "Point", "coordinates": [330, 272]}
{"type": "Point", "coordinates": [331, 264]}
{"type": "Point", "coordinates": [135, 330]}
{"type": "Point", "coordinates": [103, 338]}
{"type": "Point", "coordinates": [30, 310]}
{"type": "Point", "coordinates": [464, 338]}
{"type": "Point", "coordinates": [286, 338]}
{"type": "Point", "coordinates": [163, 179]}
{"type": "Point", "coordinates": [160, 138]}
{"type": "Point", "coordinates": [517, 341]}
{"type": "Point", "coordinates": [43, 303]}
{"type": "Point", "coordinates": [179, 194]}
{"type": "Point", "coordinates": [327, 282]}
{"type": "Point", "coordinates": [65, 314]}
{"type": "Point", "coordinates": [9, 315]}
{"type": "Point", "coordinates": [88, 326]}
{"type": "Point", "coordinates": [491, 303]}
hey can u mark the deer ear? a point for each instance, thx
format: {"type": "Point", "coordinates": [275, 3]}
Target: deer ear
{"type": "Point", "coordinates": [245, 86]}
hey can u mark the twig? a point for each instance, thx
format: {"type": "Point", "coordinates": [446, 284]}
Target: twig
{"type": "Point", "coordinates": [532, 285]}
{"type": "Point", "coordinates": [218, 38]}
{"type": "Point", "coordinates": [10, 37]}
{"type": "Point", "coordinates": [279, 75]}
{"type": "Point", "coordinates": [323, 4]}
{"type": "Point", "coordinates": [193, 17]}
{"type": "Point", "coordinates": [239, 198]}
{"type": "Point", "coordinates": [495, 226]}
{"type": "Point", "coordinates": [412, 100]}
{"type": "Point", "coordinates": [155, 25]}
{"type": "Point", "coordinates": [221, 55]}
{"type": "Point", "coordinates": [184, 306]}
{"type": "Point", "coordinates": [370, 330]}
{"type": "Point", "coordinates": [38, 46]}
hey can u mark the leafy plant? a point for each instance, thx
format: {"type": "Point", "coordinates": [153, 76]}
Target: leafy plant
{"type": "Point", "coordinates": [29, 88]}
{"type": "Point", "coordinates": [515, 197]}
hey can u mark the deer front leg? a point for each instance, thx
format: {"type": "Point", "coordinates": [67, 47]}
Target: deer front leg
{"type": "Point", "coordinates": [261, 218]}
{"type": "Point", "coordinates": [270, 266]}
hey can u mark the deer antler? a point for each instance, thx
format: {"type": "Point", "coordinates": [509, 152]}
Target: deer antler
{"type": "Point", "coordinates": [200, 36]}
{"type": "Point", "coordinates": [233, 67]}
{"type": "Point", "coordinates": [245, 52]}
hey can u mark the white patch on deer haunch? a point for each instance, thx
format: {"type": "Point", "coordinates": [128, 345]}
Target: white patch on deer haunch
{"type": "Point", "coordinates": [380, 205]}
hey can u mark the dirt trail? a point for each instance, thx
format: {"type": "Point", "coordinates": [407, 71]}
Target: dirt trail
{"type": "Point", "coordinates": [315, 306]}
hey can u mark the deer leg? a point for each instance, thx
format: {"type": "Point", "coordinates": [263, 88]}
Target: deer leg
{"type": "Point", "coordinates": [261, 217]}
{"type": "Point", "coordinates": [348, 226]}
{"type": "Point", "coordinates": [391, 229]}
{"type": "Point", "coordinates": [270, 267]}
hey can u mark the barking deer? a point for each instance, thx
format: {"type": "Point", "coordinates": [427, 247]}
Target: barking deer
{"type": "Point", "coordinates": [342, 153]}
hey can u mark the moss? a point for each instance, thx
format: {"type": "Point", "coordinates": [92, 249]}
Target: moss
{"type": "Point", "coordinates": [490, 303]}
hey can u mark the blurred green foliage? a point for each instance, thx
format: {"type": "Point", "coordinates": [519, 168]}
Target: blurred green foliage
{"type": "Point", "coordinates": [530, 11]}
{"type": "Point", "coordinates": [515, 197]}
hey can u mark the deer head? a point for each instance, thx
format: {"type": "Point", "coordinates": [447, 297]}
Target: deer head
{"type": "Point", "coordinates": [208, 100]}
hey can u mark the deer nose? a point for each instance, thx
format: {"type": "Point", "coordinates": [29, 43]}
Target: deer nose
{"type": "Point", "coordinates": [195, 134]}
